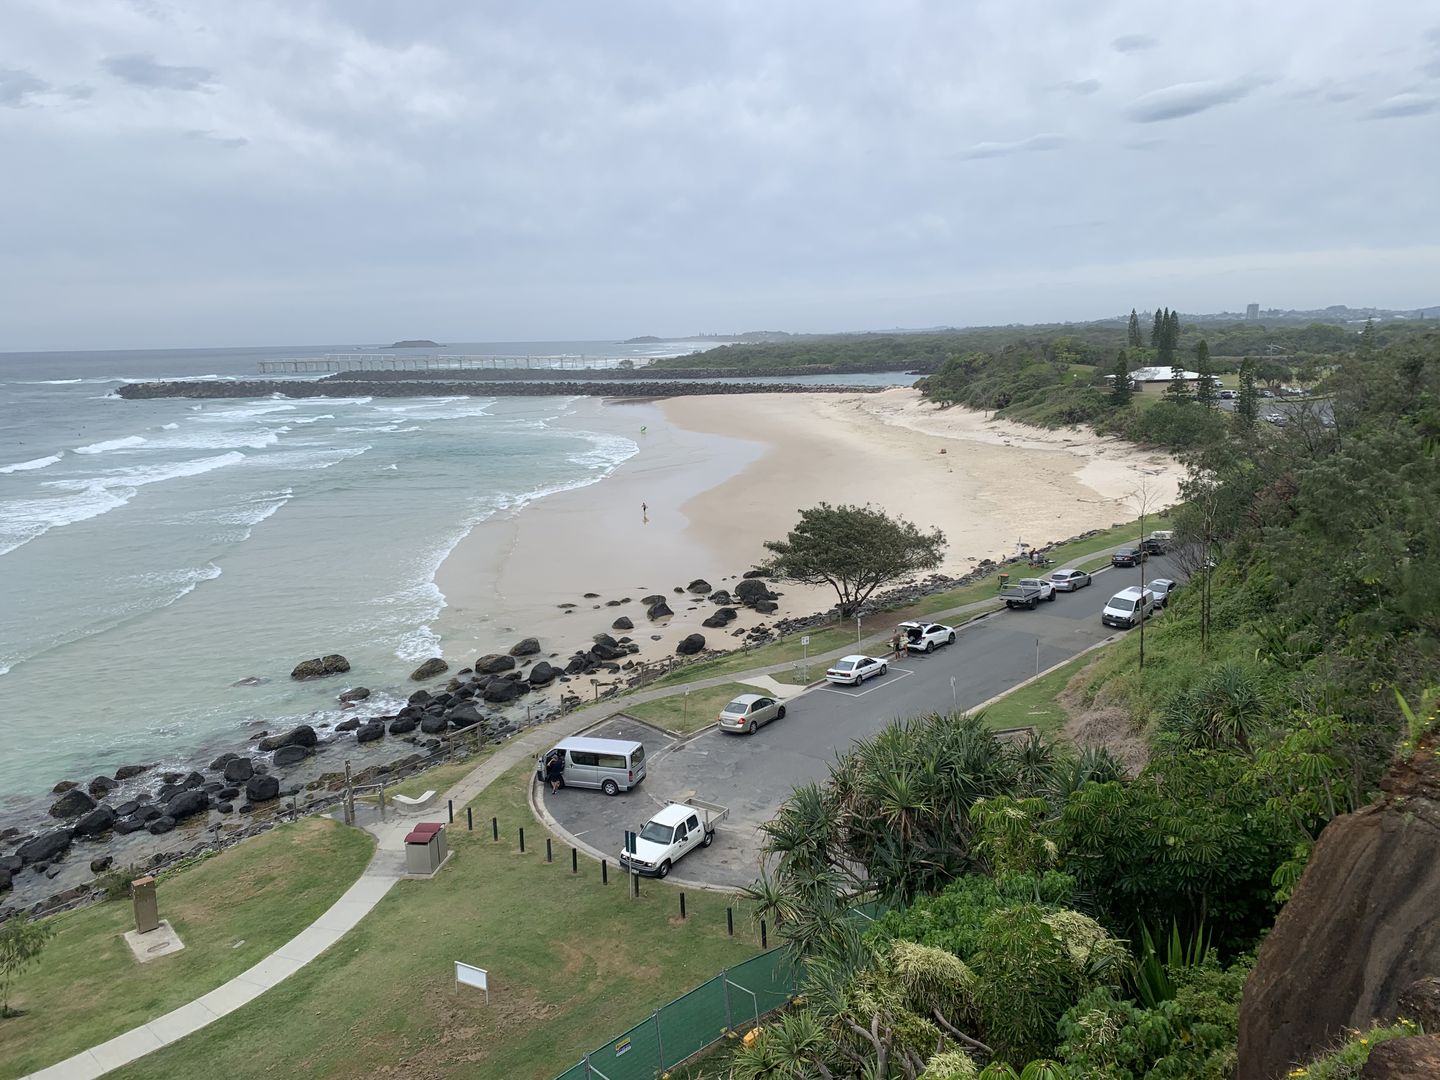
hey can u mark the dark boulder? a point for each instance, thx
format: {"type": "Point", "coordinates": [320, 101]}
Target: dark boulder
{"type": "Point", "coordinates": [289, 755]}
{"type": "Point", "coordinates": [575, 665]}
{"type": "Point", "coordinates": [603, 639]}
{"type": "Point", "coordinates": [147, 813]}
{"type": "Point", "coordinates": [238, 770]}
{"type": "Point", "coordinates": [752, 589]}
{"type": "Point", "coordinates": [622, 623]}
{"type": "Point", "coordinates": [653, 598]}
{"type": "Point", "coordinates": [308, 669]}
{"type": "Point", "coordinates": [228, 793]}
{"type": "Point", "coordinates": [722, 617]}
{"type": "Point", "coordinates": [1415, 1058]}
{"type": "Point", "coordinates": [45, 847]}
{"type": "Point", "coordinates": [502, 691]}
{"type": "Point", "coordinates": [175, 777]}
{"type": "Point", "coordinates": [419, 698]}
{"type": "Point", "coordinates": [766, 607]}
{"type": "Point", "coordinates": [494, 663]}
{"type": "Point", "coordinates": [348, 725]}
{"type": "Point", "coordinates": [658, 610]}
{"type": "Point", "coordinates": [95, 822]}
{"type": "Point", "coordinates": [262, 788]}
{"type": "Point", "coordinates": [1421, 1001]}
{"type": "Point", "coordinates": [754, 574]}
{"type": "Point", "coordinates": [370, 732]}
{"type": "Point", "coordinates": [160, 826]}
{"type": "Point", "coordinates": [699, 585]}
{"type": "Point", "coordinates": [690, 644]}
{"type": "Point", "coordinates": [335, 664]}
{"type": "Point", "coordinates": [127, 825]}
{"type": "Point", "coordinates": [1359, 930]}
{"type": "Point", "coordinates": [72, 804]}
{"type": "Point", "coordinates": [168, 792]}
{"type": "Point", "coordinates": [463, 716]}
{"type": "Point", "coordinates": [102, 786]}
{"type": "Point", "coordinates": [5, 877]}
{"type": "Point", "coordinates": [402, 725]}
{"type": "Point", "coordinates": [125, 809]}
{"type": "Point", "coordinates": [355, 693]}
{"type": "Point", "coordinates": [304, 735]}
{"type": "Point", "coordinates": [103, 863]}
{"type": "Point", "coordinates": [63, 786]}
{"type": "Point", "coordinates": [226, 807]}
{"type": "Point", "coordinates": [612, 651]}
{"type": "Point", "coordinates": [221, 761]}
{"type": "Point", "coordinates": [125, 772]}
{"type": "Point", "coordinates": [192, 780]}
{"type": "Point", "coordinates": [187, 804]}
{"type": "Point", "coordinates": [543, 674]}
{"type": "Point", "coordinates": [429, 669]}
{"type": "Point", "coordinates": [525, 647]}
{"type": "Point", "coordinates": [433, 725]}
{"type": "Point", "coordinates": [719, 596]}
{"type": "Point", "coordinates": [11, 864]}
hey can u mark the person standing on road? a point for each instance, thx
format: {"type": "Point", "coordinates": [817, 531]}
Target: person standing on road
{"type": "Point", "coordinates": [555, 770]}
{"type": "Point", "coordinates": [897, 645]}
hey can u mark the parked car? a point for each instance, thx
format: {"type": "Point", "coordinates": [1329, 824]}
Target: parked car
{"type": "Point", "coordinates": [925, 637]}
{"type": "Point", "coordinates": [1162, 587]}
{"type": "Point", "coordinates": [1128, 557]}
{"type": "Point", "coordinates": [1127, 608]}
{"type": "Point", "coordinates": [1069, 580]}
{"type": "Point", "coordinates": [1228, 395]}
{"type": "Point", "coordinates": [854, 670]}
{"type": "Point", "coordinates": [1027, 592]}
{"type": "Point", "coordinates": [609, 765]}
{"type": "Point", "coordinates": [674, 832]}
{"type": "Point", "coordinates": [1278, 419]}
{"type": "Point", "coordinates": [748, 712]}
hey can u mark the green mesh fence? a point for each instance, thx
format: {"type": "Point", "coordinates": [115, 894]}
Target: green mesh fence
{"type": "Point", "coordinates": [733, 1000]}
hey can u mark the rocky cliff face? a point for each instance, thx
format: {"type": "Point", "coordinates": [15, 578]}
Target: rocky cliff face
{"type": "Point", "coordinates": [1363, 925]}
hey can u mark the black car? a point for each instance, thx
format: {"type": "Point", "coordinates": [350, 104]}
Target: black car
{"type": "Point", "coordinates": [1151, 546]}
{"type": "Point", "coordinates": [1127, 557]}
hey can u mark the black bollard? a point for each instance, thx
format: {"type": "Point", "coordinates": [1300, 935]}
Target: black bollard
{"type": "Point", "coordinates": [682, 905]}
{"type": "Point", "coordinates": [763, 942]}
{"type": "Point", "coordinates": [495, 829]}
{"type": "Point", "coordinates": [469, 819]}
{"type": "Point", "coordinates": [522, 841]}
{"type": "Point", "coordinates": [548, 856]}
{"type": "Point", "coordinates": [450, 808]}
{"type": "Point", "coordinates": [604, 872]}
{"type": "Point", "coordinates": [574, 860]}
{"type": "Point", "coordinates": [730, 922]}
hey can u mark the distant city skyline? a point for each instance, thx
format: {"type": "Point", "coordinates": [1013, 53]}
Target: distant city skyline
{"type": "Point", "coordinates": [241, 173]}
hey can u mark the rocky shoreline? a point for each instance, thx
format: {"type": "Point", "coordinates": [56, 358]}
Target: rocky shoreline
{"type": "Point", "coordinates": [142, 816]}
{"type": "Point", "coordinates": [368, 386]}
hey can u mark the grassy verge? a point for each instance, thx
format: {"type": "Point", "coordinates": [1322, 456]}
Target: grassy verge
{"type": "Point", "coordinates": [440, 778]}
{"type": "Point", "coordinates": [684, 713]}
{"type": "Point", "coordinates": [572, 963]}
{"type": "Point", "coordinates": [231, 911]}
{"type": "Point", "coordinates": [1036, 705]}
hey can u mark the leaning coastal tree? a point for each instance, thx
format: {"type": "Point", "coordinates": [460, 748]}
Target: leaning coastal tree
{"type": "Point", "coordinates": [854, 550]}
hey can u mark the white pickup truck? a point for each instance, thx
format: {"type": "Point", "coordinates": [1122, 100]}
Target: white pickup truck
{"type": "Point", "coordinates": [1027, 592]}
{"type": "Point", "coordinates": [671, 834]}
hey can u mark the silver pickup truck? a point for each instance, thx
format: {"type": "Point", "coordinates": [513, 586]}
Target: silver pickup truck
{"type": "Point", "coordinates": [1027, 592]}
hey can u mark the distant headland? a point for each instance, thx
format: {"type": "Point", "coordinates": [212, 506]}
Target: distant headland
{"type": "Point", "coordinates": [416, 343]}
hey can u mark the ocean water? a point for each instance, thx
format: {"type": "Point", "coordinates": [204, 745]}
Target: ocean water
{"type": "Point", "coordinates": [154, 554]}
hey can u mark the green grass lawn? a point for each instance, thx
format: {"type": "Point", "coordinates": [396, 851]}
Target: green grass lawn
{"type": "Point", "coordinates": [231, 911]}
{"type": "Point", "coordinates": [676, 713]}
{"type": "Point", "coordinates": [572, 963]}
{"type": "Point", "coordinates": [1035, 705]}
{"type": "Point", "coordinates": [440, 778]}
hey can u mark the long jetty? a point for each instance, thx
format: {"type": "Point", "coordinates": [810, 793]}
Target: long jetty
{"type": "Point", "coordinates": [345, 388]}
{"type": "Point", "coordinates": [335, 363]}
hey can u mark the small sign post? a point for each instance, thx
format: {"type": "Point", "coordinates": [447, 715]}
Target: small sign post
{"type": "Point", "coordinates": [470, 975]}
{"type": "Point", "coordinates": [805, 657]}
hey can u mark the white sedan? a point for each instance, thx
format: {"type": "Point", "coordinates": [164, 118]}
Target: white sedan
{"type": "Point", "coordinates": [1069, 580]}
{"type": "Point", "coordinates": [854, 670]}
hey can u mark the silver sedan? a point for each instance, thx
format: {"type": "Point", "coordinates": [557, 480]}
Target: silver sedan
{"type": "Point", "coordinates": [1069, 580]}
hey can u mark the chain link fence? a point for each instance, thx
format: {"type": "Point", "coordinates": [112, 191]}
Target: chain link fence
{"type": "Point", "coordinates": [734, 1000]}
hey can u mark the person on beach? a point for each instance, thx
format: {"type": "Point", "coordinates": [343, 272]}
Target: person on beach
{"type": "Point", "coordinates": [555, 770]}
{"type": "Point", "coordinates": [644, 510]}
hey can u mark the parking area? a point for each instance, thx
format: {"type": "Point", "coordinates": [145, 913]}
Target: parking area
{"type": "Point", "coordinates": [753, 774]}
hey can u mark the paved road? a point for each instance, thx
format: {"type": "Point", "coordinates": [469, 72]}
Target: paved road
{"type": "Point", "coordinates": [752, 774]}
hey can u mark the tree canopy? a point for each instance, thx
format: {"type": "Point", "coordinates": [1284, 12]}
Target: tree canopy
{"type": "Point", "coordinates": [854, 550]}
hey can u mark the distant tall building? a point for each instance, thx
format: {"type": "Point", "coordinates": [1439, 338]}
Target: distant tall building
{"type": "Point", "coordinates": [1252, 312]}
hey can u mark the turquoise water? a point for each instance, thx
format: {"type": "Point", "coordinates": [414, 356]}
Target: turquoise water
{"type": "Point", "coordinates": [155, 553]}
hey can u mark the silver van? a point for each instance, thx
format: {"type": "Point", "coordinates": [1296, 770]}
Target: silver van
{"type": "Point", "coordinates": [609, 765]}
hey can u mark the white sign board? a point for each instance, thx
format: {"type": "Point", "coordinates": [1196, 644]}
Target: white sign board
{"type": "Point", "coordinates": [472, 976]}
{"type": "Point", "coordinates": [805, 640]}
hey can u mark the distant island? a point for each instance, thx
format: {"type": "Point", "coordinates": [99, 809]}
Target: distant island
{"type": "Point", "coordinates": [416, 343]}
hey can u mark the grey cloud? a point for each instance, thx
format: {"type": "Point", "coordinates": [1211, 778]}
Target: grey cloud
{"type": "Point", "coordinates": [1404, 105]}
{"type": "Point", "coordinates": [1128, 43]}
{"type": "Point", "coordinates": [1083, 87]}
{"type": "Point", "coordinates": [143, 70]}
{"type": "Point", "coordinates": [17, 87]}
{"type": "Point", "coordinates": [1187, 99]}
{"type": "Point", "coordinates": [1020, 146]}
{"type": "Point", "coordinates": [1432, 68]}
{"type": "Point", "coordinates": [230, 142]}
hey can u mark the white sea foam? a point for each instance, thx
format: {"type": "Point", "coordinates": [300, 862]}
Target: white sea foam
{"type": "Point", "coordinates": [31, 465]}
{"type": "Point", "coordinates": [308, 459]}
{"type": "Point", "coordinates": [129, 442]}
{"type": "Point", "coordinates": [249, 412]}
{"type": "Point", "coordinates": [168, 427]}
{"type": "Point", "coordinates": [313, 419]}
{"type": "Point", "coordinates": [83, 498]}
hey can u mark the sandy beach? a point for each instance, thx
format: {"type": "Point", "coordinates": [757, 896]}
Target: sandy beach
{"type": "Point", "coordinates": [720, 475]}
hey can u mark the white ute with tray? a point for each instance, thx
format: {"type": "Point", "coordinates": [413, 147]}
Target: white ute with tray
{"type": "Point", "coordinates": [674, 832]}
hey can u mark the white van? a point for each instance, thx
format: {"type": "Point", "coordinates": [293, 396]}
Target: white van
{"type": "Point", "coordinates": [1128, 607]}
{"type": "Point", "coordinates": [609, 765]}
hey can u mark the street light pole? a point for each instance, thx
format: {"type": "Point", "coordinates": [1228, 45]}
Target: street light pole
{"type": "Point", "coordinates": [857, 630]}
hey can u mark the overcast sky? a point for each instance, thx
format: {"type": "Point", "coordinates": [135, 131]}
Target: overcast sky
{"type": "Point", "coordinates": [222, 172]}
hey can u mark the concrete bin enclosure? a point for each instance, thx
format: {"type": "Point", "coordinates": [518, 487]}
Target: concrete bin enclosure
{"type": "Point", "coordinates": [425, 848]}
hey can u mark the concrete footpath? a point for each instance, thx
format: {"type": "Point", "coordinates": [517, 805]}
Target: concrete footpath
{"type": "Point", "coordinates": [387, 867]}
